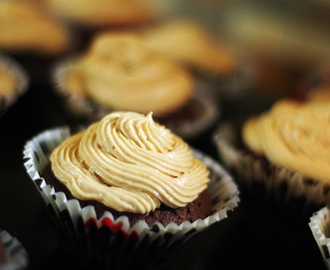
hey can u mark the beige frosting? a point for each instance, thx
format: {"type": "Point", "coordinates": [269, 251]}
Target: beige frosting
{"type": "Point", "coordinates": [25, 27]}
{"type": "Point", "coordinates": [8, 83]}
{"type": "Point", "coordinates": [120, 73]}
{"type": "Point", "coordinates": [189, 43]}
{"type": "Point", "coordinates": [129, 163]}
{"type": "Point", "coordinates": [103, 12]}
{"type": "Point", "coordinates": [293, 135]}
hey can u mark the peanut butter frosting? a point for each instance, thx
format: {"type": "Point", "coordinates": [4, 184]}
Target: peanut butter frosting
{"type": "Point", "coordinates": [120, 73]}
{"type": "Point", "coordinates": [103, 12]}
{"type": "Point", "coordinates": [293, 135]}
{"type": "Point", "coordinates": [8, 84]}
{"type": "Point", "coordinates": [129, 163]}
{"type": "Point", "coordinates": [25, 27]}
{"type": "Point", "coordinates": [189, 43]}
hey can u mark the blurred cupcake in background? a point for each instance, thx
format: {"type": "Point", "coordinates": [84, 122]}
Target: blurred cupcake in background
{"type": "Point", "coordinates": [119, 72]}
{"type": "Point", "coordinates": [190, 44]}
{"type": "Point", "coordinates": [31, 35]}
{"type": "Point", "coordinates": [284, 151]}
{"type": "Point", "coordinates": [89, 17]}
{"type": "Point", "coordinates": [214, 62]}
{"type": "Point", "coordinates": [13, 82]}
{"type": "Point", "coordinates": [156, 192]}
{"type": "Point", "coordinates": [13, 255]}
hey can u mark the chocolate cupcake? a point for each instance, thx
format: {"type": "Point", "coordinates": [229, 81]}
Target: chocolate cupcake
{"type": "Point", "coordinates": [134, 198]}
{"type": "Point", "coordinates": [119, 73]}
{"type": "Point", "coordinates": [13, 82]}
{"type": "Point", "coordinates": [283, 150]}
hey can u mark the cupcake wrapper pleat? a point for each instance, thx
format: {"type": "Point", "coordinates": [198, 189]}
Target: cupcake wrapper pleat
{"type": "Point", "coordinates": [16, 256]}
{"type": "Point", "coordinates": [319, 225]}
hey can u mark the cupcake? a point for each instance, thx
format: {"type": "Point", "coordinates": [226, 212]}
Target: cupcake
{"type": "Point", "coordinates": [209, 58]}
{"type": "Point", "coordinates": [283, 150]}
{"type": "Point", "coordinates": [127, 191]}
{"type": "Point", "coordinates": [89, 17]}
{"type": "Point", "coordinates": [13, 255]}
{"type": "Point", "coordinates": [319, 225]}
{"type": "Point", "coordinates": [13, 82]}
{"type": "Point", "coordinates": [190, 44]}
{"type": "Point", "coordinates": [119, 73]}
{"type": "Point", "coordinates": [32, 37]}
{"type": "Point", "coordinates": [26, 28]}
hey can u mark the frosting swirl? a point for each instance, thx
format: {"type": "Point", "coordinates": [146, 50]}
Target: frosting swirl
{"type": "Point", "coordinates": [122, 74]}
{"type": "Point", "coordinates": [130, 164]}
{"type": "Point", "coordinates": [293, 135]}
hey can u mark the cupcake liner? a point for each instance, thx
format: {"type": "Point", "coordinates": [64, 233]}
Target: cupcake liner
{"type": "Point", "coordinates": [103, 242]}
{"type": "Point", "coordinates": [319, 225]}
{"type": "Point", "coordinates": [83, 109]}
{"type": "Point", "coordinates": [21, 78]}
{"type": "Point", "coordinates": [16, 256]}
{"type": "Point", "coordinates": [276, 182]}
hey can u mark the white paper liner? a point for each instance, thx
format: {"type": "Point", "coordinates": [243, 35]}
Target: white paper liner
{"type": "Point", "coordinates": [21, 78]}
{"type": "Point", "coordinates": [250, 170]}
{"type": "Point", "coordinates": [16, 255]}
{"type": "Point", "coordinates": [82, 107]}
{"type": "Point", "coordinates": [320, 227]}
{"type": "Point", "coordinates": [222, 189]}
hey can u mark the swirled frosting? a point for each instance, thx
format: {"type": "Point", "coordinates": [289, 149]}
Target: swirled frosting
{"type": "Point", "coordinates": [293, 135]}
{"type": "Point", "coordinates": [129, 163]}
{"type": "Point", "coordinates": [120, 73]}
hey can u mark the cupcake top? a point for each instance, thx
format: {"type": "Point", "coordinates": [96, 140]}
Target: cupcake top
{"type": "Point", "coordinates": [24, 27]}
{"type": "Point", "coordinates": [103, 12]}
{"type": "Point", "coordinates": [294, 135]}
{"type": "Point", "coordinates": [129, 163]}
{"type": "Point", "coordinates": [189, 43]}
{"type": "Point", "coordinates": [120, 73]}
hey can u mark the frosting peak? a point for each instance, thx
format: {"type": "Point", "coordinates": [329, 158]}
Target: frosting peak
{"type": "Point", "coordinates": [129, 163]}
